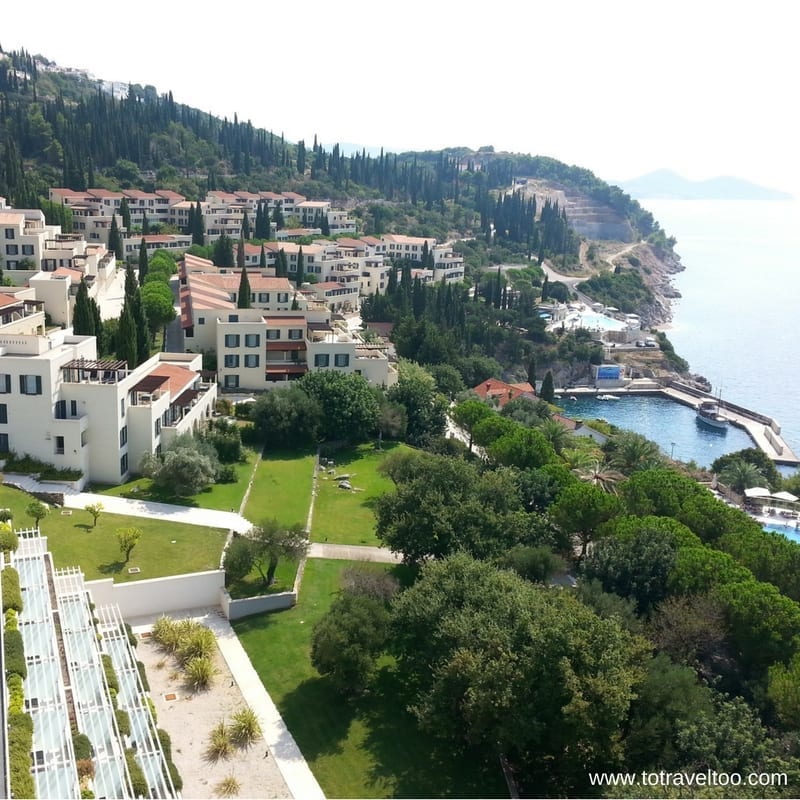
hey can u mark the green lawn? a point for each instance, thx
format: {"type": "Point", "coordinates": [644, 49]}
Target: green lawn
{"type": "Point", "coordinates": [281, 488]}
{"type": "Point", "coordinates": [166, 548]}
{"type": "Point", "coordinates": [220, 496]}
{"type": "Point", "coordinates": [346, 517]}
{"type": "Point", "coordinates": [252, 584]}
{"type": "Point", "coordinates": [364, 747]}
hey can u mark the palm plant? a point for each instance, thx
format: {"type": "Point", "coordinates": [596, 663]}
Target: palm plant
{"type": "Point", "coordinates": [740, 475]}
{"type": "Point", "coordinates": [555, 433]}
{"type": "Point", "coordinates": [632, 452]}
{"type": "Point", "coordinates": [245, 727]}
{"type": "Point", "coordinates": [600, 475]}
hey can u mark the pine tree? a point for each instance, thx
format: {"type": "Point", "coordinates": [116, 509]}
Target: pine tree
{"type": "Point", "coordinates": [243, 300]}
{"type": "Point", "coordinates": [82, 317]}
{"type": "Point", "coordinates": [143, 262]}
{"type": "Point", "coordinates": [300, 274]}
{"type": "Point", "coordinates": [114, 239]}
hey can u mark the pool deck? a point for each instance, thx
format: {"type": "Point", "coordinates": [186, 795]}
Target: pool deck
{"type": "Point", "coordinates": [764, 431]}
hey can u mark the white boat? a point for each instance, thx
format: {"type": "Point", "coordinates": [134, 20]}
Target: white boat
{"type": "Point", "coordinates": [708, 413]}
{"type": "Point", "coordinates": [607, 397]}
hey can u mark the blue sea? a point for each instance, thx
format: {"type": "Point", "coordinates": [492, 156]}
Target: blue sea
{"type": "Point", "coordinates": [735, 323]}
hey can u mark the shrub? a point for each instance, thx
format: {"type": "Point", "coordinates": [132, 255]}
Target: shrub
{"type": "Point", "coordinates": [164, 632]}
{"type": "Point", "coordinates": [220, 745]}
{"type": "Point", "coordinates": [85, 767]}
{"type": "Point", "coordinates": [166, 743]}
{"type": "Point", "coordinates": [6, 515]}
{"type": "Point", "coordinates": [245, 727]}
{"type": "Point", "coordinates": [143, 676]}
{"type": "Point", "coordinates": [16, 694]}
{"type": "Point", "coordinates": [87, 794]}
{"type": "Point", "coordinates": [110, 673]}
{"type": "Point", "coordinates": [200, 643]}
{"type": "Point", "coordinates": [15, 654]}
{"type": "Point", "coordinates": [82, 746]}
{"type": "Point", "coordinates": [199, 673]}
{"type": "Point", "coordinates": [123, 722]}
{"type": "Point", "coordinates": [12, 596]}
{"type": "Point", "coordinates": [139, 784]}
{"type": "Point", "coordinates": [227, 474]}
{"type": "Point", "coordinates": [177, 780]}
{"type": "Point", "coordinates": [12, 620]}
{"type": "Point", "coordinates": [227, 787]}
{"type": "Point", "coordinates": [132, 640]}
{"type": "Point", "coordinates": [8, 539]}
{"type": "Point", "coordinates": [152, 706]}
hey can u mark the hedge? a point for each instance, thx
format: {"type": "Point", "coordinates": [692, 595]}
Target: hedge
{"type": "Point", "coordinates": [12, 621]}
{"type": "Point", "coordinates": [139, 784]}
{"type": "Point", "coordinates": [20, 744]}
{"type": "Point", "coordinates": [82, 746]}
{"type": "Point", "coordinates": [111, 675]}
{"type": "Point", "coordinates": [14, 650]}
{"type": "Point", "coordinates": [16, 694]}
{"type": "Point", "coordinates": [12, 596]}
{"type": "Point", "coordinates": [143, 676]}
{"type": "Point", "coordinates": [123, 722]}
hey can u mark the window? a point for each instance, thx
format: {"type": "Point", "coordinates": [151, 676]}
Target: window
{"type": "Point", "coordinates": [231, 362]}
{"type": "Point", "coordinates": [251, 360]}
{"type": "Point", "coordinates": [201, 320]}
{"type": "Point", "coordinates": [123, 464]}
{"type": "Point", "coordinates": [273, 334]}
{"type": "Point", "coordinates": [5, 384]}
{"type": "Point", "coordinates": [73, 408]}
{"type": "Point", "coordinates": [12, 250]}
{"type": "Point", "coordinates": [84, 438]}
{"type": "Point", "coordinates": [27, 249]}
{"type": "Point", "coordinates": [157, 427]}
{"type": "Point", "coordinates": [123, 436]}
{"type": "Point", "coordinates": [233, 317]}
{"type": "Point", "coordinates": [252, 340]}
{"type": "Point", "coordinates": [122, 407]}
{"type": "Point", "coordinates": [4, 447]}
{"type": "Point", "coordinates": [61, 409]}
{"type": "Point", "coordinates": [342, 359]}
{"type": "Point", "coordinates": [59, 445]}
{"type": "Point", "coordinates": [296, 333]}
{"type": "Point", "coordinates": [231, 340]}
{"type": "Point", "coordinates": [231, 381]}
{"type": "Point", "coordinates": [30, 384]}
{"type": "Point", "coordinates": [322, 360]}
{"type": "Point", "coordinates": [9, 233]}
{"type": "Point", "coordinates": [283, 297]}
{"type": "Point", "coordinates": [263, 297]}
{"type": "Point", "coordinates": [3, 413]}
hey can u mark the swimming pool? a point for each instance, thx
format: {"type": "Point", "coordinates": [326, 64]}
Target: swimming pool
{"type": "Point", "coordinates": [788, 530]}
{"type": "Point", "coordinates": [595, 321]}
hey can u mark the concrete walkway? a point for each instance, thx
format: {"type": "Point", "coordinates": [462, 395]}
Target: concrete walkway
{"type": "Point", "coordinates": [280, 742]}
{"type": "Point", "coordinates": [353, 552]}
{"type": "Point", "coordinates": [208, 517]}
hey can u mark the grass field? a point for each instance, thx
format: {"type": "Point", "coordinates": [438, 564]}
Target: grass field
{"type": "Point", "coordinates": [281, 488]}
{"type": "Point", "coordinates": [166, 548]}
{"type": "Point", "coordinates": [346, 517]}
{"type": "Point", "coordinates": [252, 584]}
{"type": "Point", "coordinates": [364, 747]}
{"type": "Point", "coordinates": [220, 496]}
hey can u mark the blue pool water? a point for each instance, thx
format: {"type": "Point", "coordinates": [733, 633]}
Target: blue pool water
{"type": "Point", "coordinates": [672, 426]}
{"type": "Point", "coordinates": [789, 531]}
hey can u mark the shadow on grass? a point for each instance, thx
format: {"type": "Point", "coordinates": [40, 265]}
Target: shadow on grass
{"type": "Point", "coordinates": [84, 526]}
{"type": "Point", "coordinates": [318, 717]}
{"type": "Point", "coordinates": [413, 762]}
{"type": "Point", "coordinates": [112, 568]}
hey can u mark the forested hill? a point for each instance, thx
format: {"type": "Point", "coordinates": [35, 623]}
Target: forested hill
{"type": "Point", "coordinates": [60, 128]}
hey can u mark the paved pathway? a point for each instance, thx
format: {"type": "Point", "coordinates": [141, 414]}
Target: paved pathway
{"type": "Point", "coordinates": [353, 552]}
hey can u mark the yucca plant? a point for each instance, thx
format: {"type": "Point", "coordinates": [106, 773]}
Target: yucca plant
{"type": "Point", "coordinates": [245, 727]}
{"type": "Point", "coordinates": [227, 787]}
{"type": "Point", "coordinates": [163, 630]}
{"type": "Point", "coordinates": [200, 642]}
{"type": "Point", "coordinates": [220, 746]}
{"type": "Point", "coordinates": [199, 673]}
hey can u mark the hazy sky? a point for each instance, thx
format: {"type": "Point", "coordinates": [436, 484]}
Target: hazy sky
{"type": "Point", "coordinates": [621, 88]}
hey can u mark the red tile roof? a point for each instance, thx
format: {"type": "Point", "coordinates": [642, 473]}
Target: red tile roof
{"type": "Point", "coordinates": [503, 392]}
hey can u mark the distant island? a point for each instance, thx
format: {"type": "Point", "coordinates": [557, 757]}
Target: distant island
{"type": "Point", "coordinates": [666, 184]}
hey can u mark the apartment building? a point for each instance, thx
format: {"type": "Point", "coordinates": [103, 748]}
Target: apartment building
{"type": "Point", "coordinates": [282, 336]}
{"type": "Point", "coordinates": [62, 405]}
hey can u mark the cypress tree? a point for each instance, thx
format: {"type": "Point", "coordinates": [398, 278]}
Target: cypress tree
{"type": "Point", "coordinates": [281, 265]}
{"type": "Point", "coordinates": [99, 331]}
{"type": "Point", "coordinates": [277, 217]}
{"type": "Point", "coordinates": [114, 239]}
{"type": "Point", "coordinates": [199, 229]}
{"type": "Point", "coordinates": [143, 262]}
{"type": "Point", "coordinates": [223, 252]}
{"type": "Point", "coordinates": [190, 222]}
{"type": "Point", "coordinates": [126, 337]}
{"type": "Point", "coordinates": [262, 260]}
{"type": "Point", "coordinates": [142, 329]}
{"type": "Point", "coordinates": [243, 300]}
{"type": "Point", "coordinates": [125, 213]}
{"type": "Point", "coordinates": [145, 224]}
{"type": "Point", "coordinates": [300, 274]}
{"type": "Point", "coordinates": [547, 392]}
{"type": "Point", "coordinates": [532, 371]}
{"type": "Point", "coordinates": [82, 317]}
{"type": "Point", "coordinates": [246, 226]}
{"type": "Point", "coordinates": [130, 281]}
{"type": "Point", "coordinates": [240, 255]}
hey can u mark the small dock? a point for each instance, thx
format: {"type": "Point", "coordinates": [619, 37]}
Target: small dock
{"type": "Point", "coordinates": [764, 431]}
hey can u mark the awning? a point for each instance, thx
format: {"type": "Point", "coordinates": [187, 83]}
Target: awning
{"type": "Point", "coordinates": [786, 496]}
{"type": "Point", "coordinates": [757, 491]}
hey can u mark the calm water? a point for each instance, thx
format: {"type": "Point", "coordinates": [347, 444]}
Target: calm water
{"type": "Point", "coordinates": [671, 425]}
{"type": "Point", "coordinates": [736, 322]}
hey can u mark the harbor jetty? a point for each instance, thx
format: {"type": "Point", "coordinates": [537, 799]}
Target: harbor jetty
{"type": "Point", "coordinates": [763, 430]}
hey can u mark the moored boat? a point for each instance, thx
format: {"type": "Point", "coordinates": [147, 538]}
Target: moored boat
{"type": "Point", "coordinates": [708, 413]}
